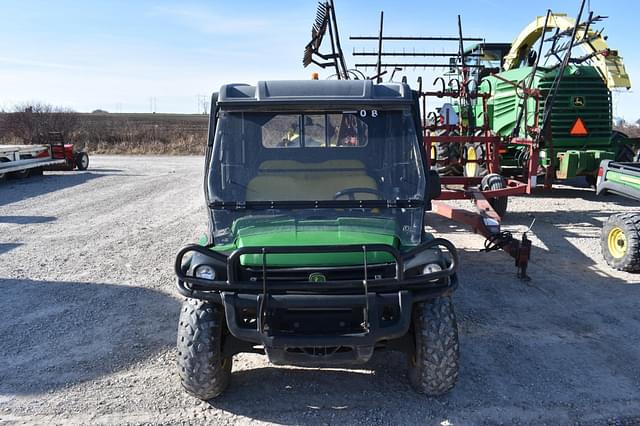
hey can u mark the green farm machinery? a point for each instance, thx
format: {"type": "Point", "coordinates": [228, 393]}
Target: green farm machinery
{"type": "Point", "coordinates": [536, 87]}
{"type": "Point", "coordinates": [574, 114]}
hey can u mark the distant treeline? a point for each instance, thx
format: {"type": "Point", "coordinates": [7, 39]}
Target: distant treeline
{"type": "Point", "coordinates": [631, 130]}
{"type": "Point", "coordinates": [107, 133]}
{"type": "Point", "coordinates": [101, 132]}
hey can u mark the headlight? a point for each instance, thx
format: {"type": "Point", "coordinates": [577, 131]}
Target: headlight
{"type": "Point", "coordinates": [431, 268]}
{"type": "Point", "coordinates": [205, 271]}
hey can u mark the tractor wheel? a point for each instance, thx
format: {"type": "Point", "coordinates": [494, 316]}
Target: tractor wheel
{"type": "Point", "coordinates": [620, 241]}
{"type": "Point", "coordinates": [82, 160]}
{"type": "Point", "coordinates": [474, 152]}
{"type": "Point", "coordinates": [204, 371]}
{"type": "Point", "coordinates": [449, 155]}
{"type": "Point", "coordinates": [3, 175]}
{"type": "Point", "coordinates": [495, 181]}
{"type": "Point", "coordinates": [625, 154]}
{"type": "Point", "coordinates": [22, 173]}
{"type": "Point", "coordinates": [433, 155]}
{"type": "Point", "coordinates": [433, 367]}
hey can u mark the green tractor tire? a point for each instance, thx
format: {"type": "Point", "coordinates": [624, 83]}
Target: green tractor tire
{"type": "Point", "coordinates": [620, 242]}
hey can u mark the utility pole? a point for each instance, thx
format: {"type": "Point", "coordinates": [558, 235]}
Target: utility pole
{"type": "Point", "coordinates": [153, 104]}
{"type": "Point", "coordinates": [203, 105]}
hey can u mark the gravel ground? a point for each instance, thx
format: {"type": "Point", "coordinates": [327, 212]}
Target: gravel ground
{"type": "Point", "coordinates": [88, 316]}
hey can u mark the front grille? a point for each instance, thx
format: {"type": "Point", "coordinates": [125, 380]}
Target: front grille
{"type": "Point", "coordinates": [337, 273]}
{"type": "Point", "coordinates": [596, 113]}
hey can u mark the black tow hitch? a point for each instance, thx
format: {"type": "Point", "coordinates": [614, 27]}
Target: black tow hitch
{"type": "Point", "coordinates": [523, 253]}
{"type": "Point", "coordinates": [519, 250]}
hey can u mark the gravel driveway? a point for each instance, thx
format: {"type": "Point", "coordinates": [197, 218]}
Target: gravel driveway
{"type": "Point", "coordinates": [88, 316]}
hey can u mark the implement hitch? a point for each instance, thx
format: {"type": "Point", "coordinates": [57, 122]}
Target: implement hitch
{"type": "Point", "coordinates": [486, 222]}
{"type": "Point", "coordinates": [519, 250]}
{"type": "Point", "coordinates": [522, 257]}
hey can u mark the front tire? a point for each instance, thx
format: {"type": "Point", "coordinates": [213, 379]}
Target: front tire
{"type": "Point", "coordinates": [204, 371]}
{"type": "Point", "coordinates": [433, 368]}
{"type": "Point", "coordinates": [620, 242]}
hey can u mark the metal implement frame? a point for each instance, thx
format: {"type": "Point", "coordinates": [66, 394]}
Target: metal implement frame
{"type": "Point", "coordinates": [486, 221]}
{"type": "Point", "coordinates": [326, 20]}
{"type": "Point", "coordinates": [40, 156]}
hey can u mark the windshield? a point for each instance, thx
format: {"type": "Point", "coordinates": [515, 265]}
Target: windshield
{"type": "Point", "coordinates": [357, 155]}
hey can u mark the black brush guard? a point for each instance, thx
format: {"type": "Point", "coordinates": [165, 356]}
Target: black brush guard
{"type": "Point", "coordinates": [267, 296]}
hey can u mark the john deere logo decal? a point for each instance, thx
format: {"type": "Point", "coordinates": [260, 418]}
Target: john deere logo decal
{"type": "Point", "coordinates": [317, 277]}
{"type": "Point", "coordinates": [578, 101]}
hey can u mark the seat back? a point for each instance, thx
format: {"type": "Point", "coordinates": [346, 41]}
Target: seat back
{"type": "Point", "coordinates": [296, 181]}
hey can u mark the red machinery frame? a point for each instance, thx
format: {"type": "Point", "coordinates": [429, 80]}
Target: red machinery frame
{"type": "Point", "coordinates": [485, 221]}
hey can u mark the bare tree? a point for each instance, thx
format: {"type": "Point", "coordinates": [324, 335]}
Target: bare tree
{"type": "Point", "coordinates": [32, 122]}
{"type": "Point", "coordinates": [3, 124]}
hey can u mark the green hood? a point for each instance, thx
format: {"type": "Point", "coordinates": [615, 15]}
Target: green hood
{"type": "Point", "coordinates": [265, 232]}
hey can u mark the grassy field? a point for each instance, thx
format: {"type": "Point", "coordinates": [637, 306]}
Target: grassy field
{"type": "Point", "coordinates": [109, 133]}
{"type": "Point", "coordinates": [142, 133]}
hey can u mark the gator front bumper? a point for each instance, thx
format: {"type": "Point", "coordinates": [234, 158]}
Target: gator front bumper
{"type": "Point", "coordinates": [310, 323]}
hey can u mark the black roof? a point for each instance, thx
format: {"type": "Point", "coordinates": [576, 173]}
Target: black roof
{"type": "Point", "coordinates": [504, 47]}
{"type": "Point", "coordinates": [315, 92]}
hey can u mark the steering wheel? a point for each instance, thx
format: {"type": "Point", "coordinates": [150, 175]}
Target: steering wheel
{"type": "Point", "coordinates": [351, 193]}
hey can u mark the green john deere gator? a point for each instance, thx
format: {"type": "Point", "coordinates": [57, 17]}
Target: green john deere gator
{"type": "Point", "coordinates": [581, 115]}
{"type": "Point", "coordinates": [316, 252]}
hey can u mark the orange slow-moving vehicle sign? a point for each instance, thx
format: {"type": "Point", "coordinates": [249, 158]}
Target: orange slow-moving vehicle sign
{"type": "Point", "coordinates": [578, 128]}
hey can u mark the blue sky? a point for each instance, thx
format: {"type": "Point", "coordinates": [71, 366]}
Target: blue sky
{"type": "Point", "coordinates": [126, 55]}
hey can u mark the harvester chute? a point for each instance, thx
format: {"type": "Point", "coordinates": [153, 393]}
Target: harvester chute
{"type": "Point", "coordinates": [607, 61]}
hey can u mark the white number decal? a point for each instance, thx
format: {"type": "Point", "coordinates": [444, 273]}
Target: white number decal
{"type": "Point", "coordinates": [363, 113]}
